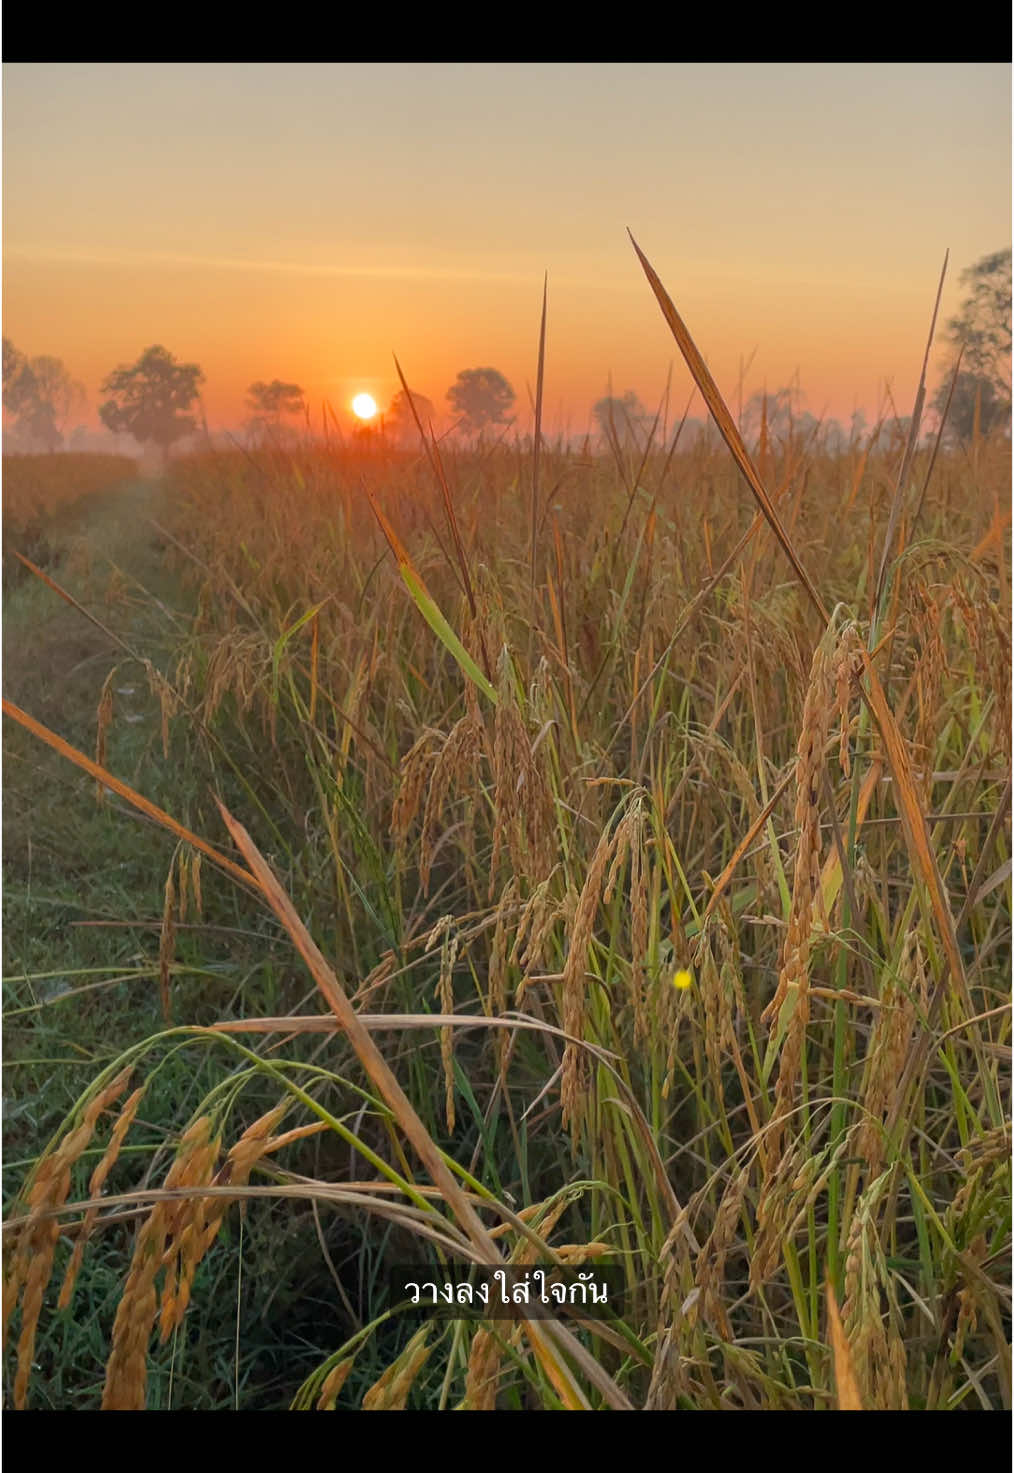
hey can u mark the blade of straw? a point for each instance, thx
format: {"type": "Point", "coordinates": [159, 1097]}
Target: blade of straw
{"type": "Point", "coordinates": [726, 425]}
{"type": "Point", "coordinates": [538, 430]}
{"type": "Point", "coordinates": [914, 824]}
{"type": "Point", "coordinates": [849, 1399]}
{"type": "Point", "coordinates": [123, 790]}
{"type": "Point", "coordinates": [913, 436]}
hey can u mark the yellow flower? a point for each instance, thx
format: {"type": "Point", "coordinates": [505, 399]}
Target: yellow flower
{"type": "Point", "coordinates": [682, 980]}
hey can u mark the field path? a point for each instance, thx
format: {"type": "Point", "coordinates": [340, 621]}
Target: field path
{"type": "Point", "coordinates": [101, 549]}
{"type": "Point", "coordinates": [105, 553]}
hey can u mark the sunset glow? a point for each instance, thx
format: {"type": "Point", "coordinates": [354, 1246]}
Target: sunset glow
{"type": "Point", "coordinates": [364, 406]}
{"type": "Point", "coordinates": [281, 253]}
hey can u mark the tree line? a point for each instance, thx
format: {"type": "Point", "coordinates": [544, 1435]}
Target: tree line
{"type": "Point", "coordinates": [152, 399]}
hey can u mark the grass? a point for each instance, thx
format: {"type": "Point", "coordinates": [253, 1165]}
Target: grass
{"type": "Point", "coordinates": [469, 758]}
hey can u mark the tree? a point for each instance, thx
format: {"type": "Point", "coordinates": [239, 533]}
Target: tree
{"type": "Point", "coordinates": [269, 402]}
{"type": "Point", "coordinates": [481, 397]}
{"type": "Point", "coordinates": [624, 420]}
{"type": "Point", "coordinates": [983, 329]}
{"type": "Point", "coordinates": [150, 398]}
{"type": "Point", "coordinates": [17, 378]}
{"type": "Point", "coordinates": [780, 412]}
{"type": "Point", "coordinates": [39, 395]}
{"type": "Point", "coordinates": [399, 420]}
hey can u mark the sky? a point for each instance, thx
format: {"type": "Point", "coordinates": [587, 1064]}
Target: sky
{"type": "Point", "coordinates": [309, 221]}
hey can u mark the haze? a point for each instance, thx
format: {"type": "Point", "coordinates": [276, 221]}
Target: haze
{"type": "Point", "coordinates": [305, 222]}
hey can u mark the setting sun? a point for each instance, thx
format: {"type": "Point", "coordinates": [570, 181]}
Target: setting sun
{"type": "Point", "coordinates": [364, 406]}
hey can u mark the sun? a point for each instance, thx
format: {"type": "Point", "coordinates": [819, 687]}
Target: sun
{"type": "Point", "coordinates": [364, 406]}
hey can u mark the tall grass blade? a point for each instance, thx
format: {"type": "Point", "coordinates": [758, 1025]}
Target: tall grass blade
{"type": "Point", "coordinates": [537, 448]}
{"type": "Point", "coordinates": [914, 825]}
{"type": "Point", "coordinates": [849, 1399]}
{"type": "Point", "coordinates": [123, 790]}
{"type": "Point", "coordinates": [427, 605]}
{"type": "Point", "coordinates": [913, 440]}
{"type": "Point", "coordinates": [726, 425]}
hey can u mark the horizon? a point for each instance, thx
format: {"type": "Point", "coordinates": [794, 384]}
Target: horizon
{"type": "Point", "coordinates": [307, 222]}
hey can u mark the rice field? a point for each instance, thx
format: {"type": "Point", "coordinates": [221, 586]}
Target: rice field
{"type": "Point", "coordinates": [543, 857]}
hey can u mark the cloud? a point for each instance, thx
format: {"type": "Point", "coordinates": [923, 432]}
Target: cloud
{"type": "Point", "coordinates": [364, 271]}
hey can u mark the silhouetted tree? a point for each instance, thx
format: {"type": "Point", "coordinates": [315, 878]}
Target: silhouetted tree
{"type": "Point", "coordinates": [150, 398]}
{"type": "Point", "coordinates": [481, 397]}
{"type": "Point", "coordinates": [983, 326]}
{"type": "Point", "coordinates": [624, 420]}
{"type": "Point", "coordinates": [39, 395]}
{"type": "Point", "coordinates": [833, 438]}
{"type": "Point", "coordinates": [399, 420]}
{"type": "Point", "coordinates": [781, 412]}
{"type": "Point", "coordinates": [270, 402]}
{"type": "Point", "coordinates": [274, 399]}
{"type": "Point", "coordinates": [17, 378]}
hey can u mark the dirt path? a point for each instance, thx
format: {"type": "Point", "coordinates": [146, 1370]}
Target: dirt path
{"type": "Point", "coordinates": [104, 553]}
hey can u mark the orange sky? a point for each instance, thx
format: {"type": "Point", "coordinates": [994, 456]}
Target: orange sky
{"type": "Point", "coordinates": [307, 221]}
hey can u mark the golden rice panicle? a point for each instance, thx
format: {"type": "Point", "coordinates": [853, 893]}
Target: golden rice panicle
{"type": "Point", "coordinates": [390, 1392]}
{"type": "Point", "coordinates": [455, 762]}
{"type": "Point", "coordinates": [669, 1381]}
{"type": "Point", "coordinates": [806, 878]}
{"type": "Point", "coordinates": [523, 810]}
{"type": "Point", "coordinates": [167, 699]}
{"type": "Point", "coordinates": [127, 1367]}
{"type": "Point", "coordinates": [332, 1384]}
{"type": "Point", "coordinates": [187, 1246]}
{"type": "Point", "coordinates": [894, 1022]}
{"type": "Point", "coordinates": [485, 1366]}
{"type": "Point", "coordinates": [928, 613]}
{"type": "Point", "coordinates": [496, 996]}
{"type": "Point", "coordinates": [639, 870]}
{"type": "Point", "coordinates": [167, 940]}
{"type": "Point", "coordinates": [449, 942]}
{"type": "Point", "coordinates": [506, 772]}
{"type": "Point", "coordinates": [243, 1156]}
{"type": "Point", "coordinates": [195, 883]}
{"type": "Point", "coordinates": [711, 992]}
{"type": "Point", "coordinates": [786, 1201]}
{"type": "Point", "coordinates": [990, 639]}
{"type": "Point", "coordinates": [540, 914]}
{"type": "Point", "coordinates": [414, 774]}
{"type": "Point", "coordinates": [835, 662]}
{"type": "Point", "coordinates": [629, 841]}
{"type": "Point", "coordinates": [710, 1272]}
{"type": "Point", "coordinates": [775, 1207]}
{"type": "Point", "coordinates": [103, 721]}
{"type": "Point", "coordinates": [376, 978]}
{"type": "Point", "coordinates": [526, 1251]}
{"type": "Point", "coordinates": [98, 1180]}
{"type": "Point", "coordinates": [36, 1247]}
{"type": "Point", "coordinates": [968, 1302]}
{"type": "Point", "coordinates": [575, 1254]}
{"type": "Point", "coordinates": [794, 974]}
{"type": "Point", "coordinates": [875, 1339]}
{"type": "Point", "coordinates": [574, 1080]}
{"type": "Point", "coordinates": [979, 1160]}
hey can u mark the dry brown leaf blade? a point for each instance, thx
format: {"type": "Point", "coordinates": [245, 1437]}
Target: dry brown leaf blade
{"type": "Point", "coordinates": [123, 790]}
{"type": "Point", "coordinates": [726, 424]}
{"type": "Point", "coordinates": [849, 1399]}
{"type": "Point", "coordinates": [914, 824]}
